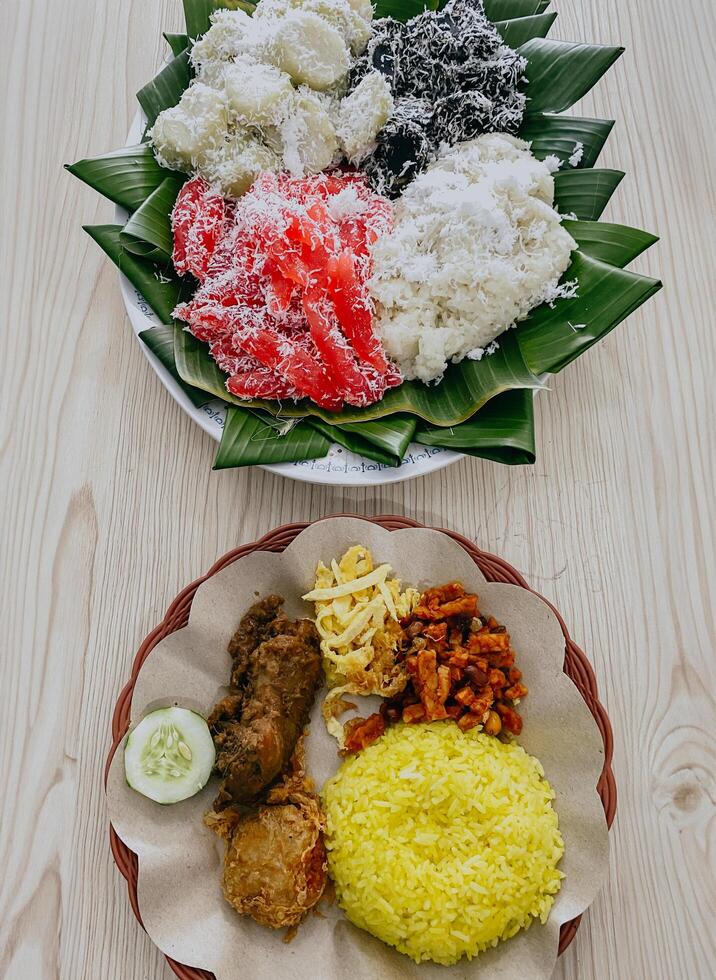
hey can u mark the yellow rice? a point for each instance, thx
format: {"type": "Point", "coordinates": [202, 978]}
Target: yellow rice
{"type": "Point", "coordinates": [442, 843]}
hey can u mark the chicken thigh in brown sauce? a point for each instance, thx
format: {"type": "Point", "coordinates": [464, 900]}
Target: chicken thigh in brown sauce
{"type": "Point", "coordinates": [274, 678]}
{"type": "Point", "coordinates": [275, 864]}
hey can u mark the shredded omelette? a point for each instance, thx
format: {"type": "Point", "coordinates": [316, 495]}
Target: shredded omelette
{"type": "Point", "coordinates": [358, 610]}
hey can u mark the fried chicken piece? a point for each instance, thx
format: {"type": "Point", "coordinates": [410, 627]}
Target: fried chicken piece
{"type": "Point", "coordinates": [275, 864]}
{"type": "Point", "coordinates": [275, 868]}
{"type": "Point", "coordinates": [227, 710]}
{"type": "Point", "coordinates": [256, 727]}
{"type": "Point", "coordinates": [253, 630]}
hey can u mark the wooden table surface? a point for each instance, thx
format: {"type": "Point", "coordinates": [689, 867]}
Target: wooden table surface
{"type": "Point", "coordinates": [110, 506]}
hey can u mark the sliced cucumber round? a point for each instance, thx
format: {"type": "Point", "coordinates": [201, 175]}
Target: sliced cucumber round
{"type": "Point", "coordinates": [169, 756]}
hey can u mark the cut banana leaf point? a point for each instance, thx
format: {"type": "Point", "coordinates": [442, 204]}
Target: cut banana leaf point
{"type": "Point", "coordinates": [355, 443]}
{"type": "Point", "coordinates": [560, 73]}
{"type": "Point", "coordinates": [615, 244]}
{"type": "Point", "coordinates": [177, 42]}
{"type": "Point", "coordinates": [159, 287]}
{"type": "Point", "coordinates": [248, 439]}
{"type": "Point", "coordinates": [519, 30]}
{"type": "Point", "coordinates": [160, 341]}
{"type": "Point", "coordinates": [393, 434]}
{"type": "Point", "coordinates": [496, 10]}
{"type": "Point", "coordinates": [585, 192]}
{"type": "Point", "coordinates": [502, 431]}
{"type": "Point", "coordinates": [385, 440]}
{"type": "Point", "coordinates": [560, 136]}
{"type": "Point", "coordinates": [553, 337]}
{"type": "Point", "coordinates": [196, 367]}
{"type": "Point", "coordinates": [166, 88]}
{"type": "Point", "coordinates": [127, 176]}
{"type": "Point", "coordinates": [148, 232]}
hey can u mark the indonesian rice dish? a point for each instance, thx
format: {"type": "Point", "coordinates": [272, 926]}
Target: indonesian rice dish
{"type": "Point", "coordinates": [436, 832]}
{"type": "Point", "coordinates": [442, 842]}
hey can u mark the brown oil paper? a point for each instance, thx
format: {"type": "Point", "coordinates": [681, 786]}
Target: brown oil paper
{"type": "Point", "coordinates": [180, 861]}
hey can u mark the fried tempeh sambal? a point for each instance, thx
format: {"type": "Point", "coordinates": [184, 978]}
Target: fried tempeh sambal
{"type": "Point", "coordinates": [460, 666]}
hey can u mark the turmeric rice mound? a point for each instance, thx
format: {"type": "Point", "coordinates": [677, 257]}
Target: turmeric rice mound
{"type": "Point", "coordinates": [442, 843]}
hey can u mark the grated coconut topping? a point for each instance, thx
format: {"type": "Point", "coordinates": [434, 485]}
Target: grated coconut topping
{"type": "Point", "coordinates": [452, 79]}
{"type": "Point", "coordinates": [476, 245]}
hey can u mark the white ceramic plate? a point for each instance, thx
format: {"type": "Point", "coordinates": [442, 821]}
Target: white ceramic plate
{"type": "Point", "coordinates": [340, 468]}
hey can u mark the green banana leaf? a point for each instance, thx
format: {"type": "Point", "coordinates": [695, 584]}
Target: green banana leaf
{"type": "Point", "coordinates": [558, 136]}
{"type": "Point", "coordinates": [465, 388]}
{"type": "Point", "coordinates": [585, 192]}
{"type": "Point", "coordinates": [393, 434]}
{"type": "Point", "coordinates": [166, 88]}
{"type": "Point", "coordinates": [503, 431]}
{"type": "Point", "coordinates": [385, 440]}
{"type": "Point", "coordinates": [615, 244]}
{"type": "Point", "coordinates": [127, 176]}
{"type": "Point", "coordinates": [403, 9]}
{"type": "Point", "coordinates": [160, 341]}
{"type": "Point", "coordinates": [149, 231]}
{"type": "Point", "coordinates": [177, 42]}
{"type": "Point", "coordinates": [196, 16]}
{"type": "Point", "coordinates": [193, 360]}
{"type": "Point", "coordinates": [509, 9]}
{"type": "Point", "coordinates": [560, 73]}
{"type": "Point", "coordinates": [159, 287]}
{"type": "Point", "coordinates": [552, 337]}
{"type": "Point", "coordinates": [522, 29]}
{"type": "Point", "coordinates": [248, 439]}
{"type": "Point", "coordinates": [355, 443]}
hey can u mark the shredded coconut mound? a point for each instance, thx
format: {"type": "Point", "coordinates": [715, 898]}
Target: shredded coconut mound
{"type": "Point", "coordinates": [476, 246]}
{"type": "Point", "coordinates": [452, 78]}
{"type": "Point", "coordinates": [282, 298]}
{"type": "Point", "coordinates": [268, 95]}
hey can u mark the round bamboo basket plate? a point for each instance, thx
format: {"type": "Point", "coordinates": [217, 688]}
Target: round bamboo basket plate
{"type": "Point", "coordinates": [576, 666]}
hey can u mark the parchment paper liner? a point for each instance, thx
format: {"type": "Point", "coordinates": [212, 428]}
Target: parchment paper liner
{"type": "Point", "coordinates": [179, 890]}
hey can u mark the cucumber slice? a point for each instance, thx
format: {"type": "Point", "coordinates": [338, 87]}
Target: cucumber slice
{"type": "Point", "coordinates": [169, 756]}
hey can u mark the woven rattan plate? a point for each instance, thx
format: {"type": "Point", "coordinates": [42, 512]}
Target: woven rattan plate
{"type": "Point", "coordinates": [576, 666]}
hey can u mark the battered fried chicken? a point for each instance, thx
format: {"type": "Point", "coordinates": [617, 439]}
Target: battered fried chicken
{"type": "Point", "coordinates": [275, 674]}
{"type": "Point", "coordinates": [275, 865]}
{"type": "Point", "coordinates": [275, 868]}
